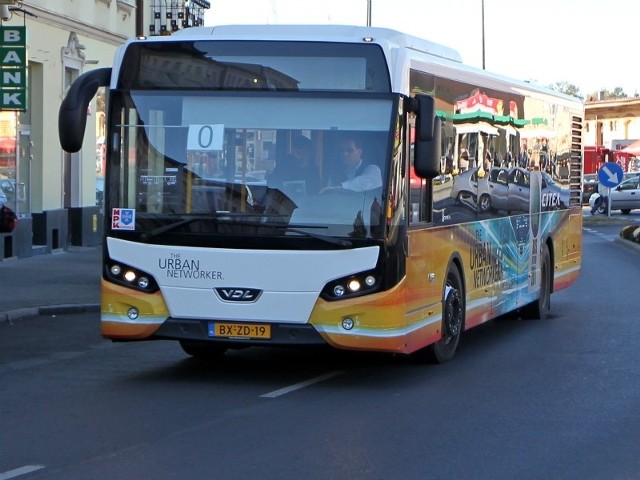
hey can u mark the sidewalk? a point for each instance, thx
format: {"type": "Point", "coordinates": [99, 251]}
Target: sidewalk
{"type": "Point", "coordinates": [60, 282]}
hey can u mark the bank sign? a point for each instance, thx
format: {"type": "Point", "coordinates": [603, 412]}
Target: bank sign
{"type": "Point", "coordinates": [13, 68]}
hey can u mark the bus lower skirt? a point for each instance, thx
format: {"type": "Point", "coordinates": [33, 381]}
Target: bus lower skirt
{"type": "Point", "coordinates": [281, 334]}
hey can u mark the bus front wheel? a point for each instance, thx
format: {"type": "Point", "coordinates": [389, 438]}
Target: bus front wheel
{"type": "Point", "coordinates": [453, 313]}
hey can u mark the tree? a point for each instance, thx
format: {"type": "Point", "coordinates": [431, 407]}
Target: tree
{"type": "Point", "coordinates": [605, 94]}
{"type": "Point", "coordinates": [618, 92]}
{"type": "Point", "coordinates": [567, 88]}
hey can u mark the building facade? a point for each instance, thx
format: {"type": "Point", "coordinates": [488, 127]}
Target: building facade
{"type": "Point", "coordinates": [54, 192]}
{"type": "Point", "coordinates": [58, 195]}
{"type": "Point", "coordinates": [610, 123]}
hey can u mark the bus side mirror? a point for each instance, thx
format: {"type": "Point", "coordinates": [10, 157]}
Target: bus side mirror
{"type": "Point", "coordinates": [427, 147]}
{"type": "Point", "coordinates": [72, 116]}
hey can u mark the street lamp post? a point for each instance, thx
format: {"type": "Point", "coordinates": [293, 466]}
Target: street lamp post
{"type": "Point", "coordinates": [368, 13]}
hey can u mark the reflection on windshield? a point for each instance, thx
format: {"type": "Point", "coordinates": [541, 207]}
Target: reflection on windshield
{"type": "Point", "coordinates": [242, 165]}
{"type": "Point", "coordinates": [218, 207]}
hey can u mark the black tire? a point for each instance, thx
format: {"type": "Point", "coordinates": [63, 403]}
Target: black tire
{"type": "Point", "coordinates": [539, 309]}
{"type": "Point", "coordinates": [453, 313]}
{"type": "Point", "coordinates": [203, 350]}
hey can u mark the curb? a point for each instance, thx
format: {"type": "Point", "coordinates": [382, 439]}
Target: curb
{"type": "Point", "coordinates": [628, 244]}
{"type": "Point", "coordinates": [20, 313]}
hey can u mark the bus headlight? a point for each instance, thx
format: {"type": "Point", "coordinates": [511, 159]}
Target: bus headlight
{"type": "Point", "coordinates": [354, 285]}
{"type": "Point", "coordinates": [351, 286]}
{"type": "Point", "coordinates": [130, 277]}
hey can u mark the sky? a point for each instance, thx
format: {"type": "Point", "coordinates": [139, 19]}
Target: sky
{"type": "Point", "coordinates": [592, 44]}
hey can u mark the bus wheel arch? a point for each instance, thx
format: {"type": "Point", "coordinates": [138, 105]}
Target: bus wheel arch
{"type": "Point", "coordinates": [453, 315]}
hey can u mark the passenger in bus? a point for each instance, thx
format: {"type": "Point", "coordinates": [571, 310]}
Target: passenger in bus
{"type": "Point", "coordinates": [352, 171]}
{"type": "Point", "coordinates": [299, 166]}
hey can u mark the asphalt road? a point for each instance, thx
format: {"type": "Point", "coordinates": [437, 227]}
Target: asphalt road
{"type": "Point", "coordinates": [522, 400]}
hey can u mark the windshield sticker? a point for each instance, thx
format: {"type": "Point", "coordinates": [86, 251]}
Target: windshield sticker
{"type": "Point", "coordinates": [205, 137]}
{"type": "Point", "coordinates": [123, 219]}
{"type": "Point", "coordinates": [158, 179]}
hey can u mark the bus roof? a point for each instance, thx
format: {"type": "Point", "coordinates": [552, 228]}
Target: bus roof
{"type": "Point", "coordinates": [325, 33]}
{"type": "Point", "coordinates": [401, 50]}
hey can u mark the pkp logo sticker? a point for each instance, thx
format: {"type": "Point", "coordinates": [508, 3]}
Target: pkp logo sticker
{"type": "Point", "coordinates": [123, 219]}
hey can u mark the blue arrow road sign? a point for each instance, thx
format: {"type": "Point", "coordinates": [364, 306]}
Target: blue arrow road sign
{"type": "Point", "coordinates": [610, 174]}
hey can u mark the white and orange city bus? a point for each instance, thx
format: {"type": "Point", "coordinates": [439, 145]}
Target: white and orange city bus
{"type": "Point", "coordinates": [206, 245]}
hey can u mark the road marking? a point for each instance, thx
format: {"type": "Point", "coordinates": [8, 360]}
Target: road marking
{"type": "Point", "coordinates": [298, 386]}
{"type": "Point", "coordinates": [609, 237]}
{"type": "Point", "coordinates": [20, 471]}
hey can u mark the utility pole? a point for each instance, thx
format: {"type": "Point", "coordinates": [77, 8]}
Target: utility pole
{"type": "Point", "coordinates": [368, 13]}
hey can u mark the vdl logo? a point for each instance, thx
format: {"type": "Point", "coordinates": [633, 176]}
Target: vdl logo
{"type": "Point", "coordinates": [238, 294]}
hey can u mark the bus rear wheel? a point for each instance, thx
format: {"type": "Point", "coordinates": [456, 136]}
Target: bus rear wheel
{"type": "Point", "coordinates": [203, 350]}
{"type": "Point", "coordinates": [539, 308]}
{"type": "Point", "coordinates": [453, 314]}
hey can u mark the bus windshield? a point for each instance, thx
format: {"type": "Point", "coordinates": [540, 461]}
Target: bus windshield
{"type": "Point", "coordinates": [231, 162]}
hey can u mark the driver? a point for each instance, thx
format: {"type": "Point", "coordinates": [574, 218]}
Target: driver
{"type": "Point", "coordinates": [353, 172]}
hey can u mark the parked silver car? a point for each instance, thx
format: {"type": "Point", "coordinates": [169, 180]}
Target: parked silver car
{"type": "Point", "coordinates": [465, 186]}
{"type": "Point", "coordinates": [506, 189]}
{"type": "Point", "coordinates": [626, 196]}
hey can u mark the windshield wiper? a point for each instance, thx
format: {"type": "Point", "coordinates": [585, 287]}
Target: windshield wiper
{"type": "Point", "coordinates": [171, 226]}
{"type": "Point", "coordinates": [215, 216]}
{"type": "Point", "coordinates": [325, 238]}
